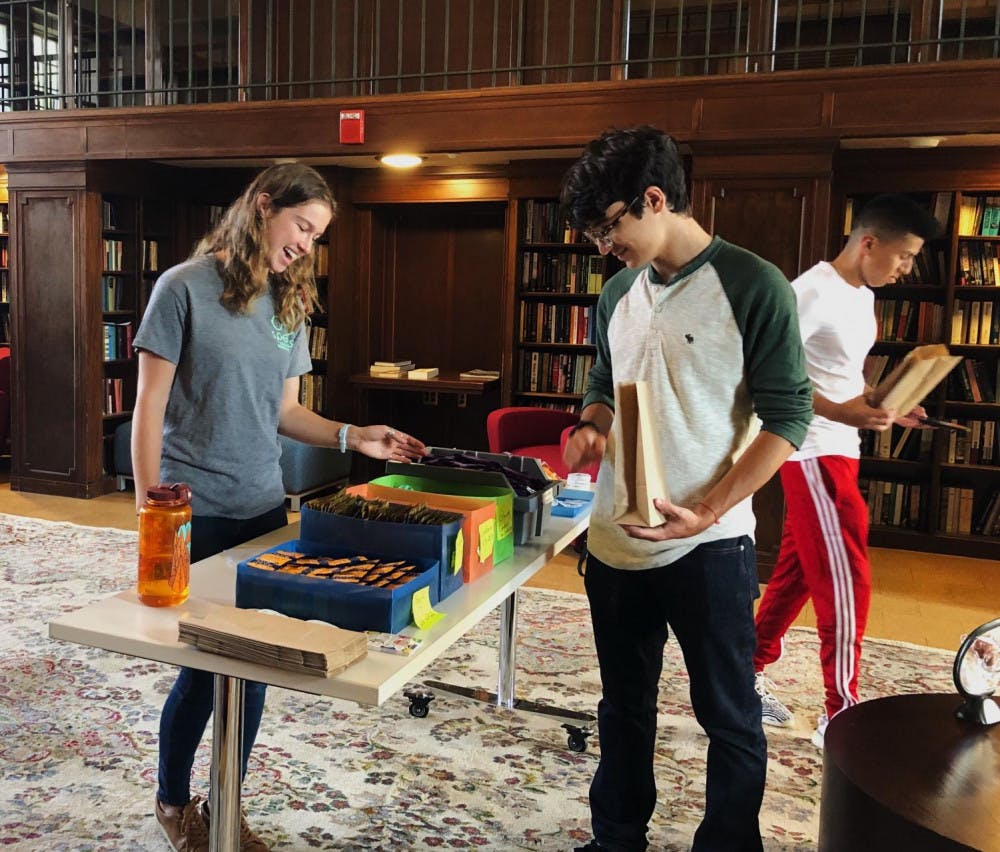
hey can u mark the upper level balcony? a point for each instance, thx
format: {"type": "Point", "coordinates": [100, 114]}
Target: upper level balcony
{"type": "Point", "coordinates": [66, 55]}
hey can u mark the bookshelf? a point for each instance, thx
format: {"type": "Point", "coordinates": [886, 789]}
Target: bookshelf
{"type": "Point", "coordinates": [313, 385]}
{"type": "Point", "coordinates": [559, 276]}
{"type": "Point", "coordinates": [939, 491]}
{"type": "Point", "coordinates": [136, 246]}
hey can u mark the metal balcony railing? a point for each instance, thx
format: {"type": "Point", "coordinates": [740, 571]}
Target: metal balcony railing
{"type": "Point", "coordinates": [61, 54]}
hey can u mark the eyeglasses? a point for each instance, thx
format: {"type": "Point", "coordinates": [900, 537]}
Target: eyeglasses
{"type": "Point", "coordinates": [602, 236]}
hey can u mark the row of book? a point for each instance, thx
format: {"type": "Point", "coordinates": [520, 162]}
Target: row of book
{"type": "Point", "coordinates": [930, 268]}
{"type": "Point", "coordinates": [4, 286]}
{"type": "Point", "coordinates": [978, 264]}
{"type": "Point", "coordinates": [114, 395]}
{"type": "Point", "coordinates": [114, 255]}
{"type": "Point", "coordinates": [321, 259]}
{"type": "Point", "coordinates": [562, 273]}
{"type": "Point", "coordinates": [546, 323]}
{"type": "Point", "coordinates": [979, 215]}
{"type": "Point", "coordinates": [110, 218]}
{"type": "Point", "coordinates": [909, 320]}
{"type": "Point", "coordinates": [974, 381]}
{"type": "Point", "coordinates": [987, 521]}
{"type": "Point", "coordinates": [151, 255]}
{"type": "Point", "coordinates": [117, 340]}
{"type": "Point", "coordinates": [544, 222]}
{"type": "Point", "coordinates": [892, 504]}
{"type": "Point", "coordinates": [552, 372]}
{"type": "Point", "coordinates": [903, 443]}
{"type": "Point", "coordinates": [955, 510]}
{"type": "Point", "coordinates": [977, 446]}
{"type": "Point", "coordinates": [317, 342]}
{"type": "Point", "coordinates": [312, 391]}
{"type": "Point", "coordinates": [4, 256]}
{"type": "Point", "coordinates": [116, 294]}
{"type": "Point", "coordinates": [4, 219]}
{"type": "Point", "coordinates": [975, 322]}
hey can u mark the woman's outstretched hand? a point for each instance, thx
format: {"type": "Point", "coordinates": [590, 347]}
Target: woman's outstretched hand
{"type": "Point", "coordinates": [384, 442]}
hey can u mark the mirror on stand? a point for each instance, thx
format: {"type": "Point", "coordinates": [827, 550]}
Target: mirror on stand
{"type": "Point", "coordinates": [977, 674]}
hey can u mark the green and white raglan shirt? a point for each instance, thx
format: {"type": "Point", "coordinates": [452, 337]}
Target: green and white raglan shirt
{"type": "Point", "coordinates": [720, 348]}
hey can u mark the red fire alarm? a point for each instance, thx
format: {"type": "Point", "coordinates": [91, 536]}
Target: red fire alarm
{"type": "Point", "coordinates": [352, 126]}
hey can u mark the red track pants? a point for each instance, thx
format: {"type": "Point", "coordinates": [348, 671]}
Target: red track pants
{"type": "Point", "coordinates": [823, 556]}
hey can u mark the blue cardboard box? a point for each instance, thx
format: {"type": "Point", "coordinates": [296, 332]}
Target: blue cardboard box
{"type": "Point", "coordinates": [571, 502]}
{"type": "Point", "coordinates": [349, 605]}
{"type": "Point", "coordinates": [399, 541]}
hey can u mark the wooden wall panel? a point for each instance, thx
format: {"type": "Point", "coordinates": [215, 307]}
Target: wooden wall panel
{"type": "Point", "coordinates": [57, 421]}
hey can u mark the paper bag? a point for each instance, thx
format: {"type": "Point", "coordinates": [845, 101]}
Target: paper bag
{"type": "Point", "coordinates": [914, 378]}
{"type": "Point", "coordinates": [638, 466]}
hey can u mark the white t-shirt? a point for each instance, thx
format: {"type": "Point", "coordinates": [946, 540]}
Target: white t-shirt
{"type": "Point", "coordinates": [837, 323]}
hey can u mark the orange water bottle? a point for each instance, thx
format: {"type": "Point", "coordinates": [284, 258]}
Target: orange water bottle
{"type": "Point", "coordinates": [165, 545]}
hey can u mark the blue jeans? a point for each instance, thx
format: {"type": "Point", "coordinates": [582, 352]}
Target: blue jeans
{"type": "Point", "coordinates": [706, 597]}
{"type": "Point", "coordinates": [190, 702]}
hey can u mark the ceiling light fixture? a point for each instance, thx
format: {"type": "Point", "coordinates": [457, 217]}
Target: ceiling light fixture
{"type": "Point", "coordinates": [400, 161]}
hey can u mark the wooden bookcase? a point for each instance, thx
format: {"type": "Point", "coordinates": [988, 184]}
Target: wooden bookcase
{"type": "Point", "coordinates": [559, 276]}
{"type": "Point", "coordinates": [940, 491]}
{"type": "Point", "coordinates": [136, 246]}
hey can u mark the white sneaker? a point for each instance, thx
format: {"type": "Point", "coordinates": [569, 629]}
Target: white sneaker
{"type": "Point", "coordinates": [820, 733]}
{"type": "Point", "coordinates": [772, 711]}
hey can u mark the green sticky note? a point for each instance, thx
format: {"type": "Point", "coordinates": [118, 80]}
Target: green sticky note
{"type": "Point", "coordinates": [505, 519]}
{"type": "Point", "coordinates": [424, 615]}
{"type": "Point", "coordinates": [487, 536]}
{"type": "Point", "coordinates": [456, 557]}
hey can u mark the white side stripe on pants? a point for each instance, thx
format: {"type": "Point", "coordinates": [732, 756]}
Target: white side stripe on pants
{"type": "Point", "coordinates": [840, 572]}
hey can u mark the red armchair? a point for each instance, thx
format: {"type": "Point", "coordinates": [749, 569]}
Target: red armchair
{"type": "Point", "coordinates": [536, 432]}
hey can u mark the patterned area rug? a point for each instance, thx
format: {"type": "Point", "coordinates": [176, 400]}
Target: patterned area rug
{"type": "Point", "coordinates": [78, 732]}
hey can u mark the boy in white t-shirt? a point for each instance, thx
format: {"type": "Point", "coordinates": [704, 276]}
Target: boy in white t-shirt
{"type": "Point", "coordinates": [824, 554]}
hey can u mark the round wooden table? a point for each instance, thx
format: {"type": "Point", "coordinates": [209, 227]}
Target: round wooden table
{"type": "Point", "coordinates": [904, 773]}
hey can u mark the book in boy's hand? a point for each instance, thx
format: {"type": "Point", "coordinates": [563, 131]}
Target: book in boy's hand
{"type": "Point", "coordinates": [914, 378]}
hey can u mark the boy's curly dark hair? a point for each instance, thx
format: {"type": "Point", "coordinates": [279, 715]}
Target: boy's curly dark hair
{"type": "Point", "coordinates": [618, 166]}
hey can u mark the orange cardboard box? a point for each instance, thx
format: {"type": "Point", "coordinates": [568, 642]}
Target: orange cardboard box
{"type": "Point", "coordinates": [478, 528]}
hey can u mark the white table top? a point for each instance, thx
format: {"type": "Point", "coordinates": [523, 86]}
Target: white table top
{"type": "Point", "coordinates": [120, 623]}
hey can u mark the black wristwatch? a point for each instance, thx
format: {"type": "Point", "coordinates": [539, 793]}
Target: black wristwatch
{"type": "Point", "coordinates": [584, 424]}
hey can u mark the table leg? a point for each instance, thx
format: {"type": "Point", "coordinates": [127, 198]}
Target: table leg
{"type": "Point", "coordinates": [227, 741]}
{"type": "Point", "coordinates": [508, 652]}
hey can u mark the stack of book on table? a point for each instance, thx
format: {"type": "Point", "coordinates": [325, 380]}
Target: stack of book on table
{"type": "Point", "coordinates": [479, 375]}
{"type": "Point", "coordinates": [423, 373]}
{"type": "Point", "coordinates": [391, 369]}
{"type": "Point", "coordinates": [272, 639]}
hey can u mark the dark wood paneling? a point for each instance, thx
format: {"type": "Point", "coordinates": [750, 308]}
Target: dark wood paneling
{"type": "Point", "coordinates": [57, 419]}
{"type": "Point", "coordinates": [792, 112]}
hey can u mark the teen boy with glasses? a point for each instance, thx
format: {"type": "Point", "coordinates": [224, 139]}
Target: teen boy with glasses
{"type": "Point", "coordinates": [712, 329]}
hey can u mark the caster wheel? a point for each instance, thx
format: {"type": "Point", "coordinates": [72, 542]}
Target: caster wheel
{"type": "Point", "coordinates": [419, 702]}
{"type": "Point", "coordinates": [577, 739]}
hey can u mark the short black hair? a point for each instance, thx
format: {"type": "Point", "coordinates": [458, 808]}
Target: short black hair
{"type": "Point", "coordinates": [890, 217]}
{"type": "Point", "coordinates": [618, 166]}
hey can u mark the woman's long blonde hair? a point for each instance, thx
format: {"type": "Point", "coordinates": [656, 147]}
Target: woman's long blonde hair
{"type": "Point", "coordinates": [238, 243]}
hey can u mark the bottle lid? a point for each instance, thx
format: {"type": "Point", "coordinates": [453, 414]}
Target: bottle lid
{"type": "Point", "coordinates": [178, 493]}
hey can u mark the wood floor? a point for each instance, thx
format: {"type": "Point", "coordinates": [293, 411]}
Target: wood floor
{"type": "Point", "coordinates": [927, 599]}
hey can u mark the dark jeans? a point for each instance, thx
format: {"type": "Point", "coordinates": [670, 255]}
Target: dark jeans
{"type": "Point", "coordinates": [707, 599]}
{"type": "Point", "coordinates": [190, 703]}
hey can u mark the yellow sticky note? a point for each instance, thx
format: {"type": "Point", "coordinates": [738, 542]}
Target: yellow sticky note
{"type": "Point", "coordinates": [424, 615]}
{"type": "Point", "coordinates": [456, 557]}
{"type": "Point", "coordinates": [487, 536]}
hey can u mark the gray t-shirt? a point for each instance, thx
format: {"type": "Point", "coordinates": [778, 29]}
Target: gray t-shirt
{"type": "Point", "coordinates": [220, 432]}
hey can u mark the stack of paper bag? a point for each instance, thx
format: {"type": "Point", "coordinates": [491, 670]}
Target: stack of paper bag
{"type": "Point", "coordinates": [638, 466]}
{"type": "Point", "coordinates": [272, 639]}
{"type": "Point", "coordinates": [914, 378]}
